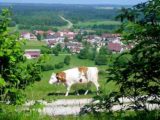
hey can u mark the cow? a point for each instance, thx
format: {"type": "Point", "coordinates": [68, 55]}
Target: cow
{"type": "Point", "coordinates": [76, 75]}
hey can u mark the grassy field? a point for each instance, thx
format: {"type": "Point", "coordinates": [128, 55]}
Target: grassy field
{"type": "Point", "coordinates": [106, 25]}
{"type": "Point", "coordinates": [34, 44]}
{"type": "Point", "coordinates": [91, 23]}
{"type": "Point", "coordinates": [43, 90]}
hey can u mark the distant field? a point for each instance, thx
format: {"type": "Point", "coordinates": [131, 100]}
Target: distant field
{"type": "Point", "coordinates": [105, 8]}
{"type": "Point", "coordinates": [105, 24]}
{"type": "Point", "coordinates": [42, 89]}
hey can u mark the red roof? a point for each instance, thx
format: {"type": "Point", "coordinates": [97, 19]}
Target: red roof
{"type": "Point", "coordinates": [33, 53]}
{"type": "Point", "coordinates": [52, 42]}
{"type": "Point", "coordinates": [107, 35]}
{"type": "Point", "coordinates": [114, 47]}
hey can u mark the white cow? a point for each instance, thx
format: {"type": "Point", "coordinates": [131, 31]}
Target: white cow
{"type": "Point", "coordinates": [76, 75]}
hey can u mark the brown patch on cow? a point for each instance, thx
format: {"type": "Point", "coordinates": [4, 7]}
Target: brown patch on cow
{"type": "Point", "coordinates": [82, 70]}
{"type": "Point", "coordinates": [61, 76]}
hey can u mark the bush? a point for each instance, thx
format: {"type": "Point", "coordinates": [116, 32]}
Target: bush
{"type": "Point", "coordinates": [55, 51]}
{"type": "Point", "coordinates": [83, 54]}
{"type": "Point", "coordinates": [101, 60]}
{"type": "Point", "coordinates": [102, 72]}
{"type": "Point", "coordinates": [67, 60]}
{"type": "Point", "coordinates": [45, 50]}
{"type": "Point", "coordinates": [47, 67]}
{"type": "Point", "coordinates": [59, 65]}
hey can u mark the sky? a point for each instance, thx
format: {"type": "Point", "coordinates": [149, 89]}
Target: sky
{"type": "Point", "coordinates": [118, 2]}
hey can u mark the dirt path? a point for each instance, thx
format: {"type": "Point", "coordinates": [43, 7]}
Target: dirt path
{"type": "Point", "coordinates": [62, 106]}
{"type": "Point", "coordinates": [70, 24]}
{"type": "Point", "coordinates": [73, 106]}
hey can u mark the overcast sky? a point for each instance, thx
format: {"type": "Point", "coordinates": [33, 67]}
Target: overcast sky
{"type": "Point", "coordinates": [119, 2]}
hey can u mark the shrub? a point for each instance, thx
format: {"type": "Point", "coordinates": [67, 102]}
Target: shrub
{"type": "Point", "coordinates": [101, 60]}
{"type": "Point", "coordinates": [47, 67]}
{"type": "Point", "coordinates": [59, 65]}
{"type": "Point", "coordinates": [45, 50]}
{"type": "Point", "coordinates": [67, 60]}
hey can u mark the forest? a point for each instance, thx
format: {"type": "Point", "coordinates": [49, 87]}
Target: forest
{"type": "Point", "coordinates": [47, 16]}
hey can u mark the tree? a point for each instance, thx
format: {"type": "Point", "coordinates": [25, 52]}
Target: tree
{"type": "Point", "coordinates": [103, 51]}
{"type": "Point", "coordinates": [137, 71]}
{"type": "Point", "coordinates": [14, 74]}
{"type": "Point", "coordinates": [55, 51]}
{"type": "Point", "coordinates": [83, 54]}
{"type": "Point", "coordinates": [127, 14]}
{"type": "Point", "coordinates": [39, 37]}
{"type": "Point", "coordinates": [92, 53]}
{"type": "Point", "coordinates": [79, 37]}
{"type": "Point", "coordinates": [58, 47]}
{"type": "Point", "coordinates": [101, 60]}
{"type": "Point", "coordinates": [67, 60]}
{"type": "Point", "coordinates": [66, 40]}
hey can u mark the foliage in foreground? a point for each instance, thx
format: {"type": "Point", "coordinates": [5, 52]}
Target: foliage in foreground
{"type": "Point", "coordinates": [14, 74]}
{"type": "Point", "coordinates": [137, 72]}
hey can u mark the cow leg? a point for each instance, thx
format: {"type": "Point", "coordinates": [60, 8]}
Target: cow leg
{"type": "Point", "coordinates": [88, 86]}
{"type": "Point", "coordinates": [86, 92]}
{"type": "Point", "coordinates": [77, 92]}
{"type": "Point", "coordinates": [97, 87]}
{"type": "Point", "coordinates": [68, 89]}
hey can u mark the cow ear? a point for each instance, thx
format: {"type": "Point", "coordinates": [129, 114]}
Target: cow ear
{"type": "Point", "coordinates": [57, 76]}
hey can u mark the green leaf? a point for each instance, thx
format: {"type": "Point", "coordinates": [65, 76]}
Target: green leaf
{"type": "Point", "coordinates": [12, 58]}
{"type": "Point", "coordinates": [1, 53]}
{"type": "Point", "coordinates": [2, 82]}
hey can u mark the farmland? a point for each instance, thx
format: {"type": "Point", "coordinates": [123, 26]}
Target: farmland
{"type": "Point", "coordinates": [101, 24]}
{"type": "Point", "coordinates": [34, 44]}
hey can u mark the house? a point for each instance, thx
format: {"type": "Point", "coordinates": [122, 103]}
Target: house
{"type": "Point", "coordinates": [39, 32]}
{"type": "Point", "coordinates": [74, 47]}
{"type": "Point", "coordinates": [66, 33]}
{"type": "Point", "coordinates": [32, 53]}
{"type": "Point", "coordinates": [111, 37]}
{"type": "Point", "coordinates": [56, 37]}
{"type": "Point", "coordinates": [28, 36]}
{"type": "Point", "coordinates": [50, 32]}
{"type": "Point", "coordinates": [75, 50]}
{"type": "Point", "coordinates": [95, 40]}
{"type": "Point", "coordinates": [51, 43]}
{"type": "Point", "coordinates": [25, 35]}
{"type": "Point", "coordinates": [115, 47]}
{"type": "Point", "coordinates": [33, 37]}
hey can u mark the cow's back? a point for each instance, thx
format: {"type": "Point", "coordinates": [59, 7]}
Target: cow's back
{"type": "Point", "coordinates": [72, 74]}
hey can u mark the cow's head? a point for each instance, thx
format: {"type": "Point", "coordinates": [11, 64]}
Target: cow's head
{"type": "Point", "coordinates": [53, 79]}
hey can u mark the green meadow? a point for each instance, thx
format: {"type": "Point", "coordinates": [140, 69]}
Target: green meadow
{"type": "Point", "coordinates": [43, 90]}
{"type": "Point", "coordinates": [91, 23]}
{"type": "Point", "coordinates": [34, 44]}
{"type": "Point", "coordinates": [108, 25]}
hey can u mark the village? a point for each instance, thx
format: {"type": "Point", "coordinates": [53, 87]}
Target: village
{"type": "Point", "coordinates": [68, 39]}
